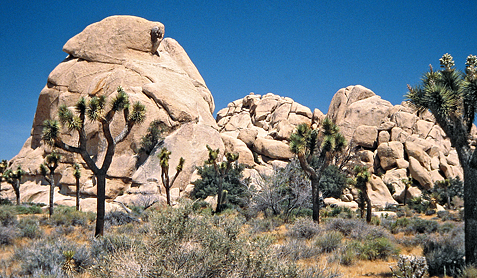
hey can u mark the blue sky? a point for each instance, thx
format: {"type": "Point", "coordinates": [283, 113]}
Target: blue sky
{"type": "Point", "coordinates": [306, 50]}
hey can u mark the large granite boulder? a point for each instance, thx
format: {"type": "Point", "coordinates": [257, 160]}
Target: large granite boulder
{"type": "Point", "coordinates": [130, 52]}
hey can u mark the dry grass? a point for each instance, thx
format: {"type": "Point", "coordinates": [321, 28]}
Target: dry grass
{"type": "Point", "coordinates": [360, 268]}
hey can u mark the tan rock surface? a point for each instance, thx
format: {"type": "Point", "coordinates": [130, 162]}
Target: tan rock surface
{"type": "Point", "coordinates": [388, 154]}
{"type": "Point", "coordinates": [379, 193]}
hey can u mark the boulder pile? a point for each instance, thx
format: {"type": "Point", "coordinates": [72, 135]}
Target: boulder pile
{"type": "Point", "coordinates": [393, 141]}
{"type": "Point", "coordinates": [130, 52]}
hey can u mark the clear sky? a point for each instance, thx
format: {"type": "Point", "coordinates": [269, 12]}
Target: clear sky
{"type": "Point", "coordinates": [306, 50]}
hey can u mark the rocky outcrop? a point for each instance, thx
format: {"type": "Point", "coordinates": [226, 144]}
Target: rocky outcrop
{"type": "Point", "coordinates": [130, 52]}
{"type": "Point", "coordinates": [394, 142]}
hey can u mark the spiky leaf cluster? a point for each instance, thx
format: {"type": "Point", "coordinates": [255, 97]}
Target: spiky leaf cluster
{"type": "Point", "coordinates": [138, 113]}
{"type": "Point", "coordinates": [361, 176]}
{"type": "Point", "coordinates": [449, 94]}
{"type": "Point", "coordinates": [153, 137]}
{"type": "Point", "coordinates": [164, 156]}
{"type": "Point", "coordinates": [51, 131]}
{"type": "Point", "coordinates": [12, 176]}
{"type": "Point", "coordinates": [76, 171]}
{"type": "Point", "coordinates": [120, 101]}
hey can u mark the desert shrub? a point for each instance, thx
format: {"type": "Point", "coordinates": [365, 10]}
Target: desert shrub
{"type": "Point", "coordinates": [29, 227]}
{"type": "Point", "coordinates": [419, 204]}
{"type": "Point", "coordinates": [328, 241]}
{"type": "Point", "coordinates": [69, 216]}
{"type": "Point", "coordinates": [296, 249]}
{"type": "Point", "coordinates": [104, 246]}
{"type": "Point", "coordinates": [332, 182]}
{"type": "Point", "coordinates": [445, 253]}
{"type": "Point", "coordinates": [446, 227]}
{"type": "Point", "coordinates": [370, 232]}
{"type": "Point", "coordinates": [5, 202]}
{"type": "Point", "coordinates": [336, 211]}
{"type": "Point", "coordinates": [469, 271]}
{"type": "Point", "coordinates": [264, 225]}
{"type": "Point", "coordinates": [418, 225]}
{"type": "Point", "coordinates": [46, 258]}
{"type": "Point", "coordinates": [410, 267]}
{"type": "Point", "coordinates": [8, 216]}
{"type": "Point", "coordinates": [286, 192]}
{"type": "Point", "coordinates": [179, 242]}
{"type": "Point", "coordinates": [346, 255]}
{"type": "Point", "coordinates": [303, 228]}
{"type": "Point", "coordinates": [396, 225]}
{"type": "Point", "coordinates": [378, 248]}
{"type": "Point", "coordinates": [200, 204]}
{"type": "Point", "coordinates": [356, 229]}
{"type": "Point", "coordinates": [8, 235]}
{"type": "Point", "coordinates": [29, 208]}
{"type": "Point", "coordinates": [118, 218]}
{"type": "Point", "coordinates": [319, 272]}
{"type": "Point", "coordinates": [207, 184]}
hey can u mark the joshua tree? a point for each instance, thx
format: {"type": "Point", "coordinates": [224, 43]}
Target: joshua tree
{"type": "Point", "coordinates": [14, 178]}
{"type": "Point", "coordinates": [47, 170]}
{"type": "Point", "coordinates": [407, 183]}
{"type": "Point", "coordinates": [315, 157]}
{"type": "Point", "coordinates": [451, 96]}
{"type": "Point", "coordinates": [164, 157]}
{"type": "Point", "coordinates": [360, 181]}
{"type": "Point", "coordinates": [3, 167]}
{"type": "Point", "coordinates": [445, 184]}
{"type": "Point", "coordinates": [77, 174]}
{"type": "Point", "coordinates": [222, 169]}
{"type": "Point", "coordinates": [95, 110]}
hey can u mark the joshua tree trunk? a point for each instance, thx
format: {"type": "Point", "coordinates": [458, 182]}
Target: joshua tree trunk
{"type": "Point", "coordinates": [100, 208]}
{"type": "Point", "coordinates": [52, 193]}
{"type": "Point", "coordinates": [368, 208]}
{"type": "Point", "coordinates": [315, 195]}
{"type": "Point", "coordinates": [405, 194]}
{"type": "Point", "coordinates": [470, 212]}
{"type": "Point", "coordinates": [77, 194]}
{"type": "Point", "coordinates": [220, 188]}
{"type": "Point", "coordinates": [17, 191]}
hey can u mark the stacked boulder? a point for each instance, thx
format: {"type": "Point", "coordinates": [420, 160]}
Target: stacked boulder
{"type": "Point", "coordinates": [394, 142]}
{"type": "Point", "coordinates": [130, 52]}
{"type": "Point", "coordinates": [259, 128]}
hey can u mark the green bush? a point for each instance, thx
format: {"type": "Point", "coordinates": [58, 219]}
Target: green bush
{"type": "Point", "coordinates": [340, 212]}
{"type": "Point", "coordinates": [303, 228]}
{"type": "Point", "coordinates": [8, 216]}
{"type": "Point", "coordinates": [379, 248]}
{"type": "Point", "coordinates": [29, 209]}
{"type": "Point", "coordinates": [418, 225]}
{"type": "Point", "coordinates": [69, 216]}
{"type": "Point", "coordinates": [328, 241]}
{"type": "Point", "coordinates": [333, 182]}
{"type": "Point", "coordinates": [207, 185]}
{"type": "Point", "coordinates": [8, 235]}
{"type": "Point", "coordinates": [445, 253]}
{"type": "Point", "coordinates": [469, 271]}
{"type": "Point", "coordinates": [45, 258]}
{"type": "Point", "coordinates": [30, 228]}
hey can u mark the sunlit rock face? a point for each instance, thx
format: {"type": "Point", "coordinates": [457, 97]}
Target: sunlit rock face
{"type": "Point", "coordinates": [130, 52]}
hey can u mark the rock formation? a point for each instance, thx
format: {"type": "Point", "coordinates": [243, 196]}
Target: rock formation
{"type": "Point", "coordinates": [127, 51]}
{"type": "Point", "coordinates": [393, 141]}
